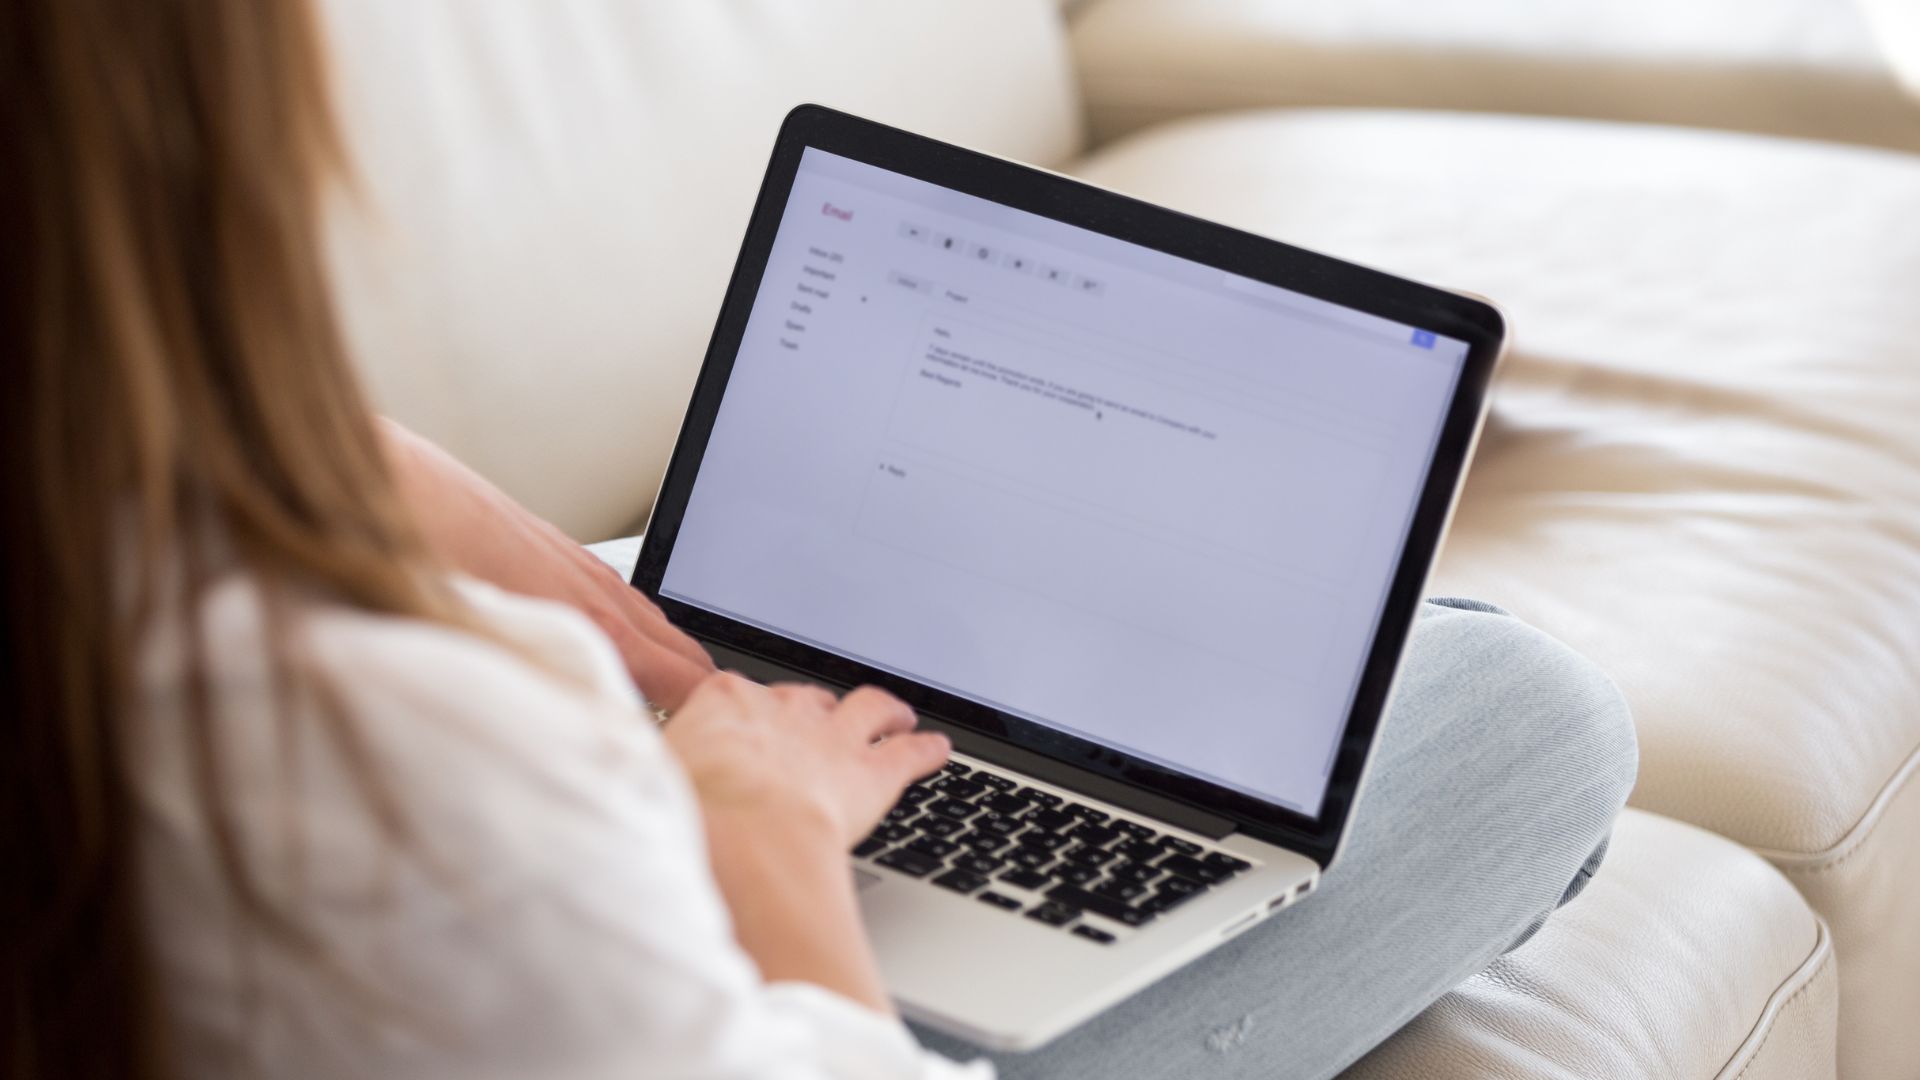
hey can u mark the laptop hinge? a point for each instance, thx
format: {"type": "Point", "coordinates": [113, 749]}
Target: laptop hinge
{"type": "Point", "coordinates": [1007, 755]}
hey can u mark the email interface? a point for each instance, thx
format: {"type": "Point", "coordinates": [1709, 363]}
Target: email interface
{"type": "Point", "coordinates": [1102, 488]}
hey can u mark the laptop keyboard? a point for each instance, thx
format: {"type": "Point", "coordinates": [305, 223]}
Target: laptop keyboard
{"type": "Point", "coordinates": [1041, 855]}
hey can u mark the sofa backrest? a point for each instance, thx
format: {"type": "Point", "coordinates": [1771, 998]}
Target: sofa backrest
{"type": "Point", "coordinates": [549, 197]}
{"type": "Point", "coordinates": [1896, 25]}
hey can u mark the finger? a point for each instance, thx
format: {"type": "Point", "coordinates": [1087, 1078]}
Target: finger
{"type": "Point", "coordinates": [664, 677]}
{"type": "Point", "coordinates": [710, 692]}
{"type": "Point", "coordinates": [649, 620]}
{"type": "Point", "coordinates": [628, 608]}
{"type": "Point", "coordinates": [667, 683]}
{"type": "Point", "coordinates": [872, 713]}
{"type": "Point", "coordinates": [595, 585]}
{"type": "Point", "coordinates": [743, 688]}
{"type": "Point", "coordinates": [805, 696]}
{"type": "Point", "coordinates": [903, 759]}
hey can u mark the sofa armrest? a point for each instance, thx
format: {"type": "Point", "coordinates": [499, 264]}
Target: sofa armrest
{"type": "Point", "coordinates": [1688, 957]}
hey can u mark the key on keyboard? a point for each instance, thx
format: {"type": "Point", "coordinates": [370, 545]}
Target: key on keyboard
{"type": "Point", "coordinates": [909, 862]}
{"type": "Point", "coordinates": [960, 881]}
{"type": "Point", "coordinates": [1026, 879]}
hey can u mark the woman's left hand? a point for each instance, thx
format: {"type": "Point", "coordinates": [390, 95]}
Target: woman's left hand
{"type": "Point", "coordinates": [478, 529]}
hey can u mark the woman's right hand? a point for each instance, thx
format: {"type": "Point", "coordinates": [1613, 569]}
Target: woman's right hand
{"type": "Point", "coordinates": [791, 757]}
{"type": "Point", "coordinates": [788, 779]}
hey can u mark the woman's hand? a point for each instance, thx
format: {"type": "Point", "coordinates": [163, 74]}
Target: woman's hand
{"type": "Point", "coordinates": [479, 530]}
{"type": "Point", "coordinates": [793, 759]}
{"type": "Point", "coordinates": [788, 779]}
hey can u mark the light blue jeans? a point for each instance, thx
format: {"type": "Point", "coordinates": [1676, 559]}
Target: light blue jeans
{"type": "Point", "coordinates": [1500, 768]}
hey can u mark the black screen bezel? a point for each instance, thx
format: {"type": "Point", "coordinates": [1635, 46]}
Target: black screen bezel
{"type": "Point", "coordinates": [1071, 202]}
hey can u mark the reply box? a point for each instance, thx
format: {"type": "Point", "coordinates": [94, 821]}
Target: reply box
{"type": "Point", "coordinates": [1286, 490]}
{"type": "Point", "coordinates": [1035, 466]}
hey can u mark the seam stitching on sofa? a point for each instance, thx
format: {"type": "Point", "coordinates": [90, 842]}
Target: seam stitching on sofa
{"type": "Point", "coordinates": [1796, 862]}
{"type": "Point", "coordinates": [1784, 1006]}
{"type": "Point", "coordinates": [1771, 1015]}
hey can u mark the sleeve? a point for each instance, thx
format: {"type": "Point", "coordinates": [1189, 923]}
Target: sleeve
{"type": "Point", "coordinates": [559, 918]}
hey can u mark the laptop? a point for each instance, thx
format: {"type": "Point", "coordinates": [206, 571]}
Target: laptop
{"type": "Point", "coordinates": [1135, 507]}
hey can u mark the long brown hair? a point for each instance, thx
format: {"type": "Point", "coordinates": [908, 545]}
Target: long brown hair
{"type": "Point", "coordinates": [173, 381]}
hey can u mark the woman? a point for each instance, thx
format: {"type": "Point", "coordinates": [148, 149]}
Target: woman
{"type": "Point", "coordinates": [294, 793]}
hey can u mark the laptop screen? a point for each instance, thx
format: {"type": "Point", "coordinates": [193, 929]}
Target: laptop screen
{"type": "Point", "coordinates": [1111, 491]}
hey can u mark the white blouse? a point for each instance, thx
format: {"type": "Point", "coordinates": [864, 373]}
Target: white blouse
{"type": "Point", "coordinates": [556, 917]}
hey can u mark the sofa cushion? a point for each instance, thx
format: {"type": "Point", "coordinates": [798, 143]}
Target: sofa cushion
{"type": "Point", "coordinates": [1686, 958]}
{"type": "Point", "coordinates": [1703, 468]}
{"type": "Point", "coordinates": [550, 198]}
{"type": "Point", "coordinates": [1795, 67]}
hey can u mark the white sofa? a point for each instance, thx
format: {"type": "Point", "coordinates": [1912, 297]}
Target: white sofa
{"type": "Point", "coordinates": [1807, 68]}
{"type": "Point", "coordinates": [1703, 469]}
